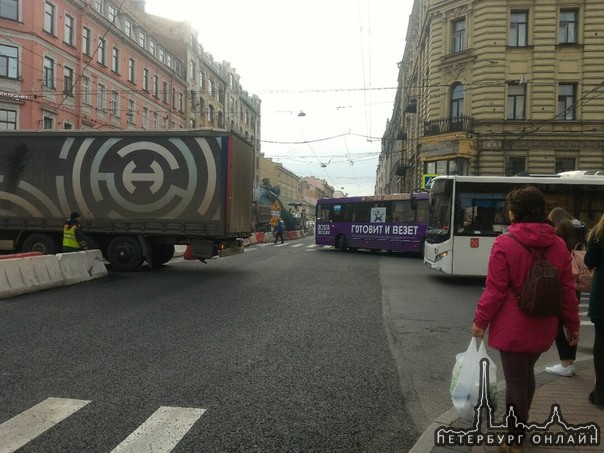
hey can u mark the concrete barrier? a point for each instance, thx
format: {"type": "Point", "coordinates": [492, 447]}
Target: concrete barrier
{"type": "Point", "coordinates": [35, 273]}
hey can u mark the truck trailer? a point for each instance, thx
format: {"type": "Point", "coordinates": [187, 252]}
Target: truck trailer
{"type": "Point", "coordinates": [139, 193]}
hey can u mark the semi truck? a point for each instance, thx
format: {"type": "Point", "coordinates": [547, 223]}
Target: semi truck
{"type": "Point", "coordinates": [139, 193]}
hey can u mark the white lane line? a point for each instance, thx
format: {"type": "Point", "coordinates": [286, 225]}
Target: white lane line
{"type": "Point", "coordinates": [162, 431]}
{"type": "Point", "coordinates": [28, 425]}
{"type": "Point", "coordinates": [296, 245]}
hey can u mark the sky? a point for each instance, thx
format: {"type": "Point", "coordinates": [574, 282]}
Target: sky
{"type": "Point", "coordinates": [334, 60]}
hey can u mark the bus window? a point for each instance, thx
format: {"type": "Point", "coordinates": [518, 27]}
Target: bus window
{"type": "Point", "coordinates": [402, 212]}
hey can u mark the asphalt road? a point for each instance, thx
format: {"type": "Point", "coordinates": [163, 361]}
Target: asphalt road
{"type": "Point", "coordinates": [283, 347]}
{"type": "Point", "coordinates": [286, 348]}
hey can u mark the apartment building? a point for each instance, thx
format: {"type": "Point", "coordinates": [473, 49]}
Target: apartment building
{"type": "Point", "coordinates": [86, 64]}
{"type": "Point", "coordinates": [496, 87]}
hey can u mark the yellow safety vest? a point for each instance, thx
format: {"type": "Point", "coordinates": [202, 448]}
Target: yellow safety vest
{"type": "Point", "coordinates": [69, 237]}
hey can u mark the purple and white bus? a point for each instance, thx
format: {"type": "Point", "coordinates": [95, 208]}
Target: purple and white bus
{"type": "Point", "coordinates": [395, 223]}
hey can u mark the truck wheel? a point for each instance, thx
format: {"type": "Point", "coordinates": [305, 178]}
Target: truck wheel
{"type": "Point", "coordinates": [162, 253]}
{"type": "Point", "coordinates": [125, 254]}
{"type": "Point", "coordinates": [39, 242]}
{"type": "Point", "coordinates": [341, 244]}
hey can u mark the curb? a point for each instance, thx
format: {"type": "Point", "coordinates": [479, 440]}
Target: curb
{"type": "Point", "coordinates": [425, 443]}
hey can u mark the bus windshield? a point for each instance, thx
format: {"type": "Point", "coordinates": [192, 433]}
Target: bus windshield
{"type": "Point", "coordinates": [395, 222]}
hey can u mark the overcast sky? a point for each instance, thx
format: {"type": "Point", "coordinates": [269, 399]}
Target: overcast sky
{"type": "Point", "coordinates": [336, 60]}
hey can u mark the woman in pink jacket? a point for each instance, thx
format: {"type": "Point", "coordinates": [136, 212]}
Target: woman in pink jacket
{"type": "Point", "coordinates": [522, 338]}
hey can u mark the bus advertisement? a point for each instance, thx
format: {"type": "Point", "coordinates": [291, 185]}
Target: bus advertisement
{"type": "Point", "coordinates": [394, 222]}
{"type": "Point", "coordinates": [467, 213]}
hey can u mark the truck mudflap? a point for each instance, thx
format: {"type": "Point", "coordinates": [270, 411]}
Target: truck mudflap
{"type": "Point", "coordinates": [203, 250]}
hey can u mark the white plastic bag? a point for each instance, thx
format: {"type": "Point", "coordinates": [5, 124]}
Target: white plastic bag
{"type": "Point", "coordinates": [465, 380]}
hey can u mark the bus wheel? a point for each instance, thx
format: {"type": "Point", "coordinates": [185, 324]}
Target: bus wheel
{"type": "Point", "coordinates": [341, 243]}
{"type": "Point", "coordinates": [125, 254]}
{"type": "Point", "coordinates": [39, 242]}
{"type": "Point", "coordinates": [162, 253]}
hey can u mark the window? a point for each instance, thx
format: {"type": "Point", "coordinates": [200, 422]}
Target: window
{"type": "Point", "coordinates": [101, 97]}
{"type": "Point", "coordinates": [211, 114]}
{"type": "Point", "coordinates": [155, 120]}
{"type": "Point", "coordinates": [9, 62]}
{"type": "Point", "coordinates": [145, 117]}
{"type": "Point", "coordinates": [458, 37]}
{"type": "Point", "coordinates": [49, 122]}
{"type": "Point", "coordinates": [101, 51]}
{"type": "Point", "coordinates": [518, 32]}
{"type": "Point", "coordinates": [85, 90]}
{"type": "Point", "coordinates": [210, 87]}
{"type": "Point", "coordinates": [161, 54]}
{"type": "Point", "coordinates": [86, 40]}
{"type": "Point", "coordinates": [112, 14]}
{"type": "Point", "coordinates": [48, 79]}
{"type": "Point", "coordinates": [152, 47]}
{"type": "Point", "coordinates": [155, 86]}
{"type": "Point", "coordinates": [9, 9]}
{"type": "Point", "coordinates": [515, 102]}
{"type": "Point", "coordinates": [165, 92]}
{"type": "Point", "coordinates": [192, 70]}
{"type": "Point", "coordinates": [131, 111]}
{"type": "Point", "coordinates": [131, 70]}
{"type": "Point", "coordinates": [514, 165]}
{"type": "Point", "coordinates": [201, 79]}
{"type": "Point", "coordinates": [565, 164]}
{"type": "Point", "coordinates": [145, 79]}
{"type": "Point", "coordinates": [67, 81]}
{"type": "Point", "coordinates": [69, 36]}
{"type": "Point", "coordinates": [457, 108]}
{"type": "Point", "coordinates": [115, 60]}
{"type": "Point", "coordinates": [98, 5]}
{"type": "Point", "coordinates": [128, 27]}
{"type": "Point", "coordinates": [567, 32]}
{"type": "Point", "coordinates": [115, 103]}
{"type": "Point", "coordinates": [8, 119]}
{"type": "Point", "coordinates": [567, 94]}
{"type": "Point", "coordinates": [141, 39]}
{"type": "Point", "coordinates": [49, 18]}
{"type": "Point", "coordinates": [180, 102]}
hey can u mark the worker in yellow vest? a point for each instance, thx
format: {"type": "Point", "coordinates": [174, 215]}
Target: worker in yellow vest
{"type": "Point", "coordinates": [73, 234]}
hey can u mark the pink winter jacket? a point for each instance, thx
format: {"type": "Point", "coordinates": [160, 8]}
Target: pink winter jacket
{"type": "Point", "coordinates": [509, 328]}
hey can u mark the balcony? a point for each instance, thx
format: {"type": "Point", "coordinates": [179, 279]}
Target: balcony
{"type": "Point", "coordinates": [446, 125]}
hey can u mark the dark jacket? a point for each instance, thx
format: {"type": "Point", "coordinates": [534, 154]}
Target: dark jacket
{"type": "Point", "coordinates": [594, 259]}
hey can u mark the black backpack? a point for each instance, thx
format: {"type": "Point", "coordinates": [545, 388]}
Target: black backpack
{"type": "Point", "coordinates": [541, 293]}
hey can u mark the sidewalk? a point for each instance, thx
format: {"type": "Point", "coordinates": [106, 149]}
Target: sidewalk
{"type": "Point", "coordinates": [571, 394]}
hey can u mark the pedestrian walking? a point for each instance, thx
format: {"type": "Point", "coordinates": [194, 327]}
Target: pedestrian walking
{"type": "Point", "coordinates": [73, 234]}
{"type": "Point", "coordinates": [594, 259]}
{"type": "Point", "coordinates": [279, 231]}
{"type": "Point", "coordinates": [519, 337]}
{"type": "Point", "coordinates": [573, 233]}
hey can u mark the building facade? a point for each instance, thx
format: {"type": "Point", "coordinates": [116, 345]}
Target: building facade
{"type": "Point", "coordinates": [86, 64]}
{"type": "Point", "coordinates": [496, 87]}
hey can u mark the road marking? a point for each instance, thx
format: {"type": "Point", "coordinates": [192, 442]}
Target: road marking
{"type": "Point", "coordinates": [586, 323]}
{"type": "Point", "coordinates": [28, 425]}
{"type": "Point", "coordinates": [297, 245]}
{"type": "Point", "coordinates": [162, 431]}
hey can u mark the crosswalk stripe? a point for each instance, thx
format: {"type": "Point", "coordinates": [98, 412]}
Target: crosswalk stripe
{"type": "Point", "coordinates": [29, 424]}
{"type": "Point", "coordinates": [162, 431]}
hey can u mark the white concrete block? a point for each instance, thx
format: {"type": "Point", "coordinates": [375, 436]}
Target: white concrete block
{"type": "Point", "coordinates": [95, 264]}
{"type": "Point", "coordinates": [73, 267]}
{"type": "Point", "coordinates": [12, 268]}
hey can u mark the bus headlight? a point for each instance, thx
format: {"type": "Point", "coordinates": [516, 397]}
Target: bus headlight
{"type": "Point", "coordinates": [440, 256]}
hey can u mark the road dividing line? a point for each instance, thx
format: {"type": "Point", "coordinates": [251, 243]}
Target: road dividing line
{"type": "Point", "coordinates": [28, 425]}
{"type": "Point", "coordinates": [161, 432]}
